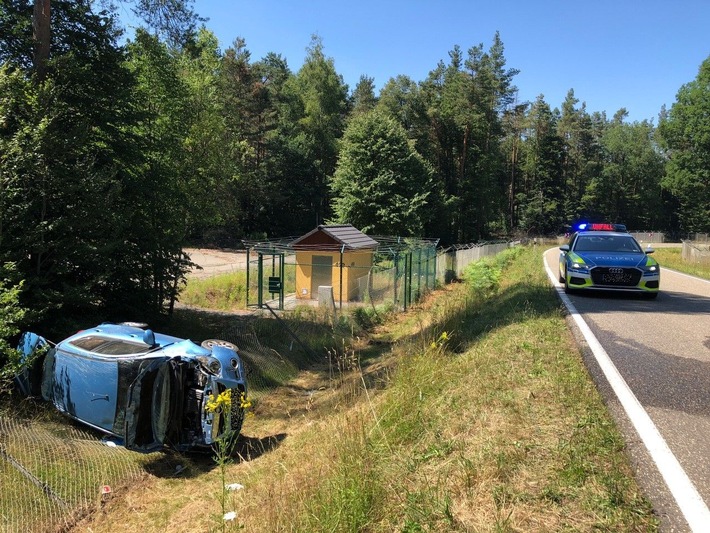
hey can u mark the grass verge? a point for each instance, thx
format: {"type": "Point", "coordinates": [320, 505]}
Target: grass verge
{"type": "Point", "coordinates": [471, 412]}
{"type": "Point", "coordinates": [672, 258]}
{"type": "Point", "coordinates": [225, 292]}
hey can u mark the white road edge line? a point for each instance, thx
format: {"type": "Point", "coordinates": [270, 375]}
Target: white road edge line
{"type": "Point", "coordinates": [689, 501]}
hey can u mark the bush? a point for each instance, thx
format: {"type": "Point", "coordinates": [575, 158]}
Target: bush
{"type": "Point", "coordinates": [484, 276]}
{"type": "Point", "coordinates": [11, 314]}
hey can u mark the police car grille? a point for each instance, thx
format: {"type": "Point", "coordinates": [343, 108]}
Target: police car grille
{"type": "Point", "coordinates": [616, 276]}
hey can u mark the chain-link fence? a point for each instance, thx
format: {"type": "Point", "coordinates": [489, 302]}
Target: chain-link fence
{"type": "Point", "coordinates": [649, 236]}
{"type": "Point", "coordinates": [52, 473]}
{"type": "Point", "coordinates": [701, 238]}
{"type": "Point", "coordinates": [396, 274]}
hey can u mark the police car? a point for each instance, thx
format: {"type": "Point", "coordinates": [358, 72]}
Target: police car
{"type": "Point", "coordinates": [606, 256]}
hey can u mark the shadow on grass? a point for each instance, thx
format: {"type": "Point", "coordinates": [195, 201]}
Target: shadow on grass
{"type": "Point", "coordinates": [468, 315]}
{"type": "Point", "coordinates": [170, 464]}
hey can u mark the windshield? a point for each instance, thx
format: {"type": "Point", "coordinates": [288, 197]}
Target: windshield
{"type": "Point", "coordinates": [607, 243]}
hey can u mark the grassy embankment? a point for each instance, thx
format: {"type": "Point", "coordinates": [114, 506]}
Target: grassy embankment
{"type": "Point", "coordinates": [226, 292]}
{"type": "Point", "coordinates": [471, 412]}
{"type": "Point", "coordinates": [671, 258]}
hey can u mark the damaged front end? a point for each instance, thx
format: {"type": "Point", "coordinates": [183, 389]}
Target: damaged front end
{"type": "Point", "coordinates": [186, 402]}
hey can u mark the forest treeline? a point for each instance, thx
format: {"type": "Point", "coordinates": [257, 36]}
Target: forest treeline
{"type": "Point", "coordinates": [115, 154]}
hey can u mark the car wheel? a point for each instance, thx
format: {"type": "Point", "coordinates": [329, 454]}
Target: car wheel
{"type": "Point", "coordinates": [650, 295]}
{"type": "Point", "coordinates": [210, 343]}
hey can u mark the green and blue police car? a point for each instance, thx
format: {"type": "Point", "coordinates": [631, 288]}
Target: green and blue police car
{"type": "Point", "coordinates": [607, 257]}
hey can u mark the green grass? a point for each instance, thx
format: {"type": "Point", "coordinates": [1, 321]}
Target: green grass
{"type": "Point", "coordinates": [672, 258]}
{"type": "Point", "coordinates": [225, 292]}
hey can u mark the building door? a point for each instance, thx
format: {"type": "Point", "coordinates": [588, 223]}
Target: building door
{"type": "Point", "coordinates": [322, 273]}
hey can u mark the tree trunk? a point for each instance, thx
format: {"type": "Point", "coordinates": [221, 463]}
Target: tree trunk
{"type": "Point", "coordinates": [41, 34]}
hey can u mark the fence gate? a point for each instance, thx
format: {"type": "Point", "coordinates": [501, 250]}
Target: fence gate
{"type": "Point", "coordinates": [265, 278]}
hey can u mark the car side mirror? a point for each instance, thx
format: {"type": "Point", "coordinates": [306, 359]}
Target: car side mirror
{"type": "Point", "coordinates": [649, 250]}
{"type": "Point", "coordinates": [565, 247]}
{"type": "Point", "coordinates": [149, 337]}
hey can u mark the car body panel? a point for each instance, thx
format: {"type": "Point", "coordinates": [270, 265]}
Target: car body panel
{"type": "Point", "coordinates": [85, 388]}
{"type": "Point", "coordinates": [608, 260]}
{"type": "Point", "coordinates": [148, 389]}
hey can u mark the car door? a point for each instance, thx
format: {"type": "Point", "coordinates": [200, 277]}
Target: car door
{"type": "Point", "coordinates": [85, 387]}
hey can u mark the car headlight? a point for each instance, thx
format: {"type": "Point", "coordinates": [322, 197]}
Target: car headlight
{"type": "Point", "coordinates": [651, 269]}
{"type": "Point", "coordinates": [211, 364]}
{"type": "Point", "coordinates": [579, 266]}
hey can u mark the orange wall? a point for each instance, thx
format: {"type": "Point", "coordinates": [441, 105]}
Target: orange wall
{"type": "Point", "coordinates": [355, 265]}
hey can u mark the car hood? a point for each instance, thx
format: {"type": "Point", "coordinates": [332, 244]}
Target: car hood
{"type": "Point", "coordinates": [606, 259]}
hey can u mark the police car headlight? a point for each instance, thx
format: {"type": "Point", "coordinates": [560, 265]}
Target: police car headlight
{"type": "Point", "coordinates": [579, 266]}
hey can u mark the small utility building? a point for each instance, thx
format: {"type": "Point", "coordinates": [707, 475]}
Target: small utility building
{"type": "Point", "coordinates": [335, 256]}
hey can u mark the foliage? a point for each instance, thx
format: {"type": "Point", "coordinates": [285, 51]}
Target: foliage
{"type": "Point", "coordinates": [685, 132]}
{"type": "Point", "coordinates": [11, 315]}
{"type": "Point", "coordinates": [363, 97]}
{"type": "Point", "coordinates": [174, 20]}
{"type": "Point", "coordinates": [368, 317]}
{"type": "Point", "coordinates": [540, 208]}
{"type": "Point", "coordinates": [382, 184]}
{"type": "Point", "coordinates": [86, 224]}
{"type": "Point", "coordinates": [629, 186]}
{"type": "Point", "coordinates": [321, 96]}
{"type": "Point", "coordinates": [225, 292]}
{"type": "Point", "coordinates": [484, 276]}
{"type": "Point", "coordinates": [465, 101]}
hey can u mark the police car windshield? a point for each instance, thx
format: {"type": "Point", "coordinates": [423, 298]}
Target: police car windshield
{"type": "Point", "coordinates": [607, 243]}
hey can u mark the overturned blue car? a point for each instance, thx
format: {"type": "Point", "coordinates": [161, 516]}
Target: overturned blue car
{"type": "Point", "coordinates": [147, 389]}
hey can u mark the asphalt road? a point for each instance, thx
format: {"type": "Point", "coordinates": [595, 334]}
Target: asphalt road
{"type": "Point", "coordinates": [661, 348]}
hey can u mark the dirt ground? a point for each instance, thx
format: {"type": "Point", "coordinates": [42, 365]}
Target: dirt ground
{"type": "Point", "coordinates": [215, 261]}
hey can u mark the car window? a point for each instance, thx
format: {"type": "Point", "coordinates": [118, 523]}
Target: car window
{"type": "Point", "coordinates": [606, 243]}
{"type": "Point", "coordinates": [108, 346]}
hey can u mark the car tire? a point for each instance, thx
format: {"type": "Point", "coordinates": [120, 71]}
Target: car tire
{"type": "Point", "coordinates": [650, 295]}
{"type": "Point", "coordinates": [210, 343]}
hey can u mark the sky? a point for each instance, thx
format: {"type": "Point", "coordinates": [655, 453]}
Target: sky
{"type": "Point", "coordinates": [633, 54]}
